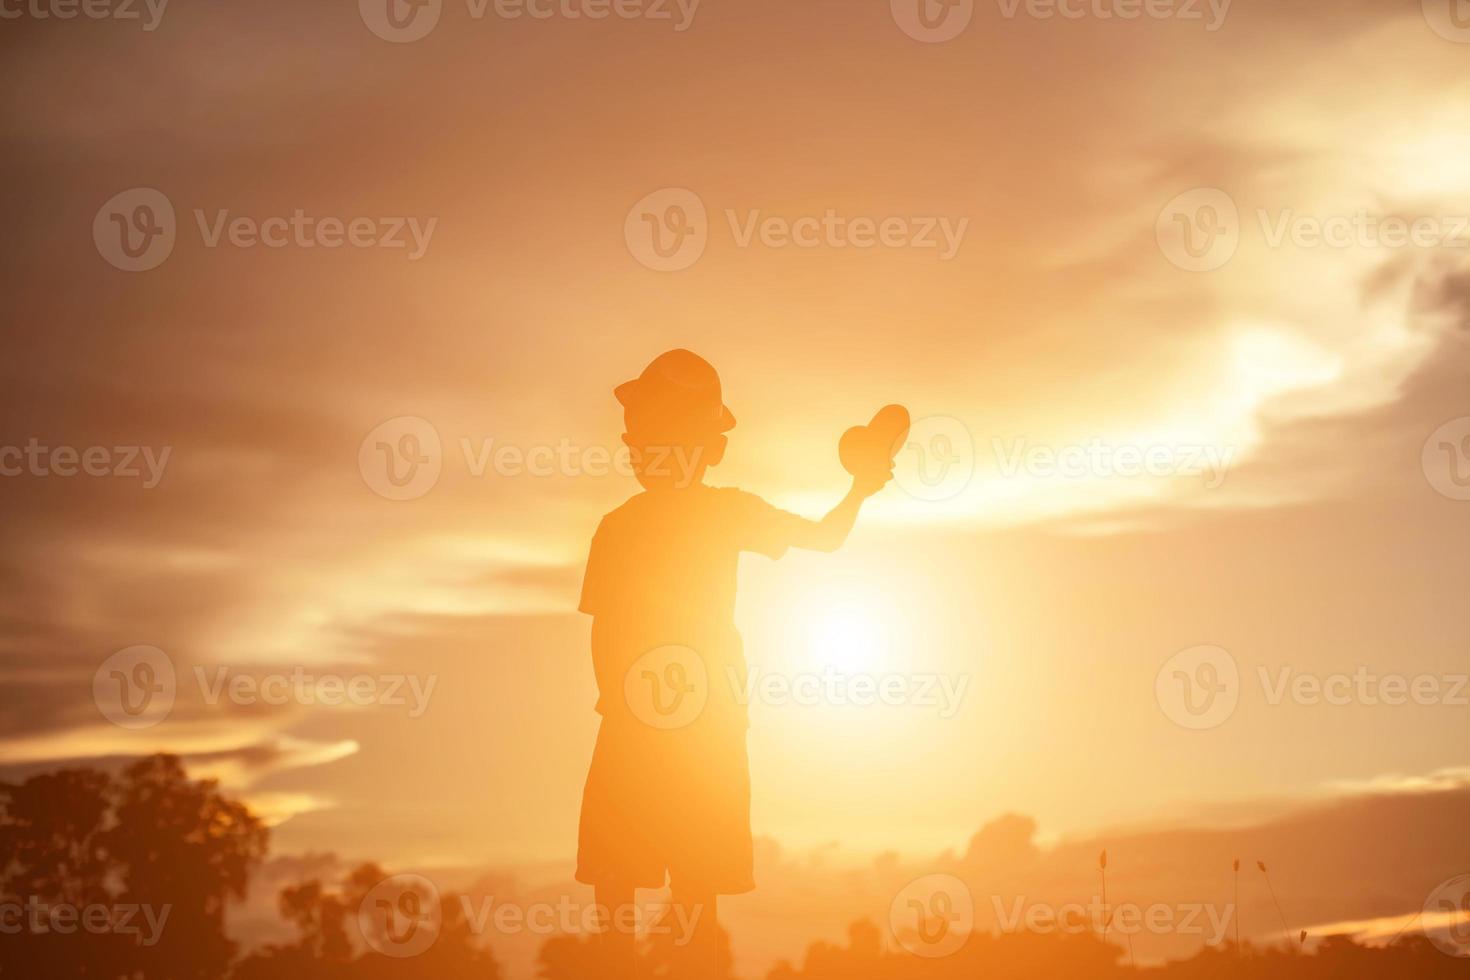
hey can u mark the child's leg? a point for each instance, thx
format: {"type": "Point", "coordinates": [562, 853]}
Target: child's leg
{"type": "Point", "coordinates": [699, 932]}
{"type": "Point", "coordinates": [616, 940]}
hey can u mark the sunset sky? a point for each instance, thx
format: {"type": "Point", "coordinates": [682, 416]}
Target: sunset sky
{"type": "Point", "coordinates": [1331, 538]}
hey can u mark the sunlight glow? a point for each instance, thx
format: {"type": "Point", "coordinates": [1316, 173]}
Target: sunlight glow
{"type": "Point", "coordinates": [845, 632]}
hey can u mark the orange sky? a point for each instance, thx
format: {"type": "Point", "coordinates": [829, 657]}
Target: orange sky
{"type": "Point", "coordinates": [1059, 321]}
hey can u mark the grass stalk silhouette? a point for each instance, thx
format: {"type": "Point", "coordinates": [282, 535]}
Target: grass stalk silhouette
{"type": "Point", "coordinates": [1237, 908]}
{"type": "Point", "coordinates": [1285, 929]}
{"type": "Point", "coordinates": [1102, 863]}
{"type": "Point", "coordinates": [1405, 927]}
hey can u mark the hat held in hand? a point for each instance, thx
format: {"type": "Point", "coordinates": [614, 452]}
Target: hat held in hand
{"type": "Point", "coordinates": [870, 449]}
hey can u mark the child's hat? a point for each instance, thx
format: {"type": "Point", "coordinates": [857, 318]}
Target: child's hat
{"type": "Point", "coordinates": [681, 387]}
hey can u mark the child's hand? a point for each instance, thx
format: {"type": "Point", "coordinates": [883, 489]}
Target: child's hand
{"type": "Point", "coordinates": [829, 533]}
{"type": "Point", "coordinates": [869, 482]}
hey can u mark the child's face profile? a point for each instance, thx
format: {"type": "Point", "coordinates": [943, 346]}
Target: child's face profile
{"type": "Point", "coordinates": [664, 457]}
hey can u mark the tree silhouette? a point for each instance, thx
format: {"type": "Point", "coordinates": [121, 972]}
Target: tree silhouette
{"type": "Point", "coordinates": [123, 876]}
{"type": "Point", "coordinates": [332, 943]}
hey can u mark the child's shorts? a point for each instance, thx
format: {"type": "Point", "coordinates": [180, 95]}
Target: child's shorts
{"type": "Point", "coordinates": [673, 802]}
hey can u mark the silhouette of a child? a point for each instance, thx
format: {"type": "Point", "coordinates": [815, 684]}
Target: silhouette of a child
{"type": "Point", "coordinates": [668, 792]}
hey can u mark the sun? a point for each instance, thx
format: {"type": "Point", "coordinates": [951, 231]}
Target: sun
{"type": "Point", "coordinates": [849, 633]}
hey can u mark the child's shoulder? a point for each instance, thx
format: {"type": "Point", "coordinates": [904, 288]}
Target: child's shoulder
{"type": "Point", "coordinates": [641, 506]}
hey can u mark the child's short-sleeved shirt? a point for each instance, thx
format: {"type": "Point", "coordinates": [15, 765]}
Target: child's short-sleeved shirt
{"type": "Point", "coordinates": [662, 572]}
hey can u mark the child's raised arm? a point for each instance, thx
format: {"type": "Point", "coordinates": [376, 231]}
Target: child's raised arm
{"type": "Point", "coordinates": [830, 533]}
{"type": "Point", "coordinates": [867, 452]}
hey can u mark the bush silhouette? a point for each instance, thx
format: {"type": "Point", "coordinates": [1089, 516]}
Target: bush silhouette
{"type": "Point", "coordinates": [85, 839]}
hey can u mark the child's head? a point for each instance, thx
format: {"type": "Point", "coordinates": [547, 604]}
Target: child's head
{"type": "Point", "coordinates": [676, 420]}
